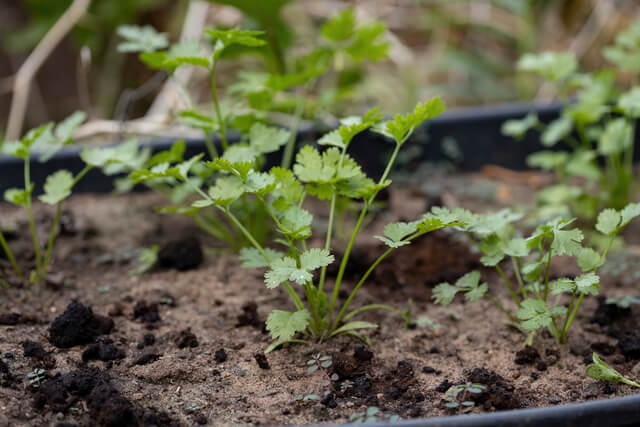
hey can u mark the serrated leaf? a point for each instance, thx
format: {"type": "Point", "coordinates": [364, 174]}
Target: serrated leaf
{"type": "Point", "coordinates": [172, 155]}
{"type": "Point", "coordinates": [284, 270]}
{"type": "Point", "coordinates": [252, 258]}
{"type": "Point", "coordinates": [239, 169]}
{"type": "Point", "coordinates": [283, 325]}
{"type": "Point", "coordinates": [395, 232]}
{"type": "Point", "coordinates": [557, 131]}
{"type": "Point", "coordinates": [535, 314]}
{"type": "Point", "coordinates": [267, 139]}
{"type": "Point", "coordinates": [567, 242]}
{"type": "Point", "coordinates": [288, 190]}
{"type": "Point", "coordinates": [401, 127]}
{"type": "Point", "coordinates": [296, 222]}
{"type": "Point", "coordinates": [339, 27]}
{"type": "Point", "coordinates": [588, 284]}
{"type": "Point", "coordinates": [629, 102]}
{"type": "Point", "coordinates": [517, 247]}
{"type": "Point", "coordinates": [315, 258]}
{"type": "Point", "coordinates": [141, 39]}
{"type": "Point", "coordinates": [57, 187]}
{"type": "Point", "coordinates": [629, 212]}
{"type": "Point", "coordinates": [198, 120]}
{"type": "Point", "coordinates": [485, 225]}
{"type": "Point", "coordinates": [226, 190]}
{"type": "Point", "coordinates": [469, 284]}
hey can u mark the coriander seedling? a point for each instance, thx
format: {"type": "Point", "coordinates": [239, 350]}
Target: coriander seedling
{"type": "Point", "coordinates": [531, 257]}
{"type": "Point", "coordinates": [461, 395]}
{"type": "Point", "coordinates": [36, 377]}
{"type": "Point", "coordinates": [599, 370]}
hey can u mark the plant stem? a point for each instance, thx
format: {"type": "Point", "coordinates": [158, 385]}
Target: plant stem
{"type": "Point", "coordinates": [504, 310]}
{"type": "Point", "coordinates": [508, 283]}
{"type": "Point", "coordinates": [374, 307]}
{"type": "Point", "coordinates": [569, 309]}
{"type": "Point", "coordinates": [565, 329]}
{"type": "Point", "coordinates": [546, 274]}
{"type": "Point", "coordinates": [52, 237]}
{"type": "Point", "coordinates": [32, 224]}
{"type": "Point", "coordinates": [327, 244]}
{"type": "Point", "coordinates": [516, 269]}
{"type": "Point", "coordinates": [296, 299]}
{"type": "Point", "coordinates": [356, 230]}
{"type": "Point", "coordinates": [213, 152]}
{"type": "Point", "coordinates": [9, 253]}
{"type": "Point", "coordinates": [222, 125]}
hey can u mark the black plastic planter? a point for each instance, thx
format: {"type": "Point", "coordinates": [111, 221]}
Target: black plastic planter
{"type": "Point", "coordinates": [477, 133]}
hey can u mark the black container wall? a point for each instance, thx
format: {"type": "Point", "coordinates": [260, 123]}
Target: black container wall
{"type": "Point", "coordinates": [477, 134]}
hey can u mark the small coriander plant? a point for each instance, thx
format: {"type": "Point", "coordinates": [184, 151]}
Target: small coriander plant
{"type": "Point", "coordinates": [325, 175]}
{"type": "Point", "coordinates": [461, 395]}
{"type": "Point", "coordinates": [531, 258]}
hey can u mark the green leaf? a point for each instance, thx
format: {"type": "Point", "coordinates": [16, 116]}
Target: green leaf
{"type": "Point", "coordinates": [469, 284]}
{"type": "Point", "coordinates": [283, 325]}
{"type": "Point", "coordinates": [340, 27]}
{"type": "Point", "coordinates": [296, 223]}
{"type": "Point", "coordinates": [247, 38]}
{"type": "Point", "coordinates": [198, 120]}
{"type": "Point", "coordinates": [173, 155]}
{"type": "Point", "coordinates": [239, 169]}
{"type": "Point", "coordinates": [517, 128]}
{"type": "Point", "coordinates": [54, 139]}
{"type": "Point", "coordinates": [141, 39]}
{"type": "Point", "coordinates": [567, 242]}
{"type": "Point", "coordinates": [628, 213]}
{"type": "Point", "coordinates": [554, 66]}
{"type": "Point", "coordinates": [57, 187]}
{"type": "Point", "coordinates": [608, 221]}
{"type": "Point", "coordinates": [315, 258]}
{"type": "Point", "coordinates": [267, 139]}
{"type": "Point", "coordinates": [288, 190]}
{"type": "Point", "coordinates": [557, 131]}
{"type": "Point", "coordinates": [548, 160]}
{"type": "Point", "coordinates": [629, 102]}
{"type": "Point", "coordinates": [616, 138]}
{"type": "Point", "coordinates": [116, 159]}
{"type": "Point", "coordinates": [588, 284]}
{"type": "Point", "coordinates": [252, 258]}
{"type": "Point", "coordinates": [517, 247]}
{"type": "Point", "coordinates": [485, 225]}
{"type": "Point", "coordinates": [535, 314]}
{"type": "Point", "coordinates": [226, 190]}
{"type": "Point", "coordinates": [284, 270]}
{"type": "Point", "coordinates": [394, 233]}
{"type": "Point", "coordinates": [589, 260]}
{"type": "Point", "coordinates": [17, 196]}
{"type": "Point", "coordinates": [21, 149]}
{"type": "Point", "coordinates": [599, 370]}
{"type": "Point", "coordinates": [260, 183]}
{"type": "Point", "coordinates": [401, 127]}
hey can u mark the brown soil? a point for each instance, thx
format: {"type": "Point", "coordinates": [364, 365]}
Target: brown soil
{"type": "Point", "coordinates": [185, 347]}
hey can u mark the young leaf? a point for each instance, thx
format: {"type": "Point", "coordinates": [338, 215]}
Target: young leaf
{"type": "Point", "coordinates": [395, 233]}
{"type": "Point", "coordinates": [535, 314]}
{"type": "Point", "coordinates": [599, 370]}
{"type": "Point", "coordinates": [401, 127]}
{"type": "Point", "coordinates": [608, 221]}
{"type": "Point", "coordinates": [57, 187]}
{"type": "Point", "coordinates": [267, 139]}
{"type": "Point", "coordinates": [296, 223]}
{"type": "Point", "coordinates": [288, 190]}
{"type": "Point", "coordinates": [557, 131]}
{"type": "Point", "coordinates": [517, 128]}
{"type": "Point", "coordinates": [616, 138]}
{"type": "Point", "coordinates": [353, 326]}
{"type": "Point", "coordinates": [554, 66]}
{"type": "Point", "coordinates": [141, 39]}
{"type": "Point", "coordinates": [146, 259]}
{"type": "Point", "coordinates": [630, 103]}
{"type": "Point", "coordinates": [340, 27]}
{"type": "Point", "coordinates": [226, 190]}
{"type": "Point", "coordinates": [283, 325]}
{"type": "Point", "coordinates": [469, 284]}
{"type": "Point", "coordinates": [315, 258]}
{"type": "Point", "coordinates": [589, 260]}
{"type": "Point", "coordinates": [548, 160]}
{"type": "Point", "coordinates": [283, 270]}
{"type": "Point", "coordinates": [18, 196]}
{"type": "Point", "coordinates": [247, 38]}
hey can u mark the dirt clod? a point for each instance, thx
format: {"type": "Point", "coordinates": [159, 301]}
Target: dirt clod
{"type": "Point", "coordinates": [186, 338]}
{"type": "Point", "coordinates": [362, 353]}
{"type": "Point", "coordinates": [499, 394]}
{"type": "Point", "coordinates": [78, 325]}
{"type": "Point", "coordinates": [102, 350]}
{"type": "Point", "coordinates": [9, 319]}
{"type": "Point", "coordinates": [527, 356]}
{"type": "Point", "coordinates": [629, 344]}
{"type": "Point", "coordinates": [183, 254]}
{"type": "Point", "coordinates": [147, 356]}
{"type": "Point", "coordinates": [262, 361]}
{"type": "Point", "coordinates": [147, 313]}
{"type": "Point", "coordinates": [220, 355]}
{"type": "Point", "coordinates": [249, 316]}
{"type": "Point", "coordinates": [34, 349]}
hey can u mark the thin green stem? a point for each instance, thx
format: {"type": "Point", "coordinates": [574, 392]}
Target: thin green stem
{"type": "Point", "coordinates": [546, 274]}
{"type": "Point", "coordinates": [356, 230]}
{"type": "Point", "coordinates": [81, 175]}
{"type": "Point", "coordinates": [211, 147]}
{"type": "Point", "coordinates": [355, 290]}
{"type": "Point", "coordinates": [9, 253]}
{"type": "Point", "coordinates": [569, 310]}
{"type": "Point", "coordinates": [5, 284]}
{"type": "Point", "coordinates": [217, 231]}
{"type": "Point", "coordinates": [327, 243]}
{"type": "Point", "coordinates": [514, 296]}
{"type": "Point", "coordinates": [565, 330]}
{"type": "Point", "coordinates": [504, 310]}
{"type": "Point", "coordinates": [292, 293]}
{"type": "Point", "coordinates": [32, 224]}
{"type": "Point", "coordinates": [52, 237]}
{"type": "Point", "coordinates": [516, 270]}
{"type": "Point", "coordinates": [222, 125]}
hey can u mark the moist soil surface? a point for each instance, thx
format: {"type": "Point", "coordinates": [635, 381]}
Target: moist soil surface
{"type": "Point", "coordinates": [183, 343]}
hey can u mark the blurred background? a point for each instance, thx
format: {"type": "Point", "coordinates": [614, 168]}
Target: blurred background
{"type": "Point", "coordinates": [462, 50]}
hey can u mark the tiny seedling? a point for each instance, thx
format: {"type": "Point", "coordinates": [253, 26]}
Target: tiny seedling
{"type": "Point", "coordinates": [146, 259]}
{"type": "Point", "coordinates": [461, 395]}
{"type": "Point", "coordinates": [623, 301]}
{"type": "Point", "coordinates": [372, 414]}
{"type": "Point", "coordinates": [495, 238]}
{"type": "Point", "coordinates": [599, 370]}
{"type": "Point", "coordinates": [36, 377]}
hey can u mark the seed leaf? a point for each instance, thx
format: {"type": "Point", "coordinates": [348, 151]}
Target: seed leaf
{"type": "Point", "coordinates": [599, 370]}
